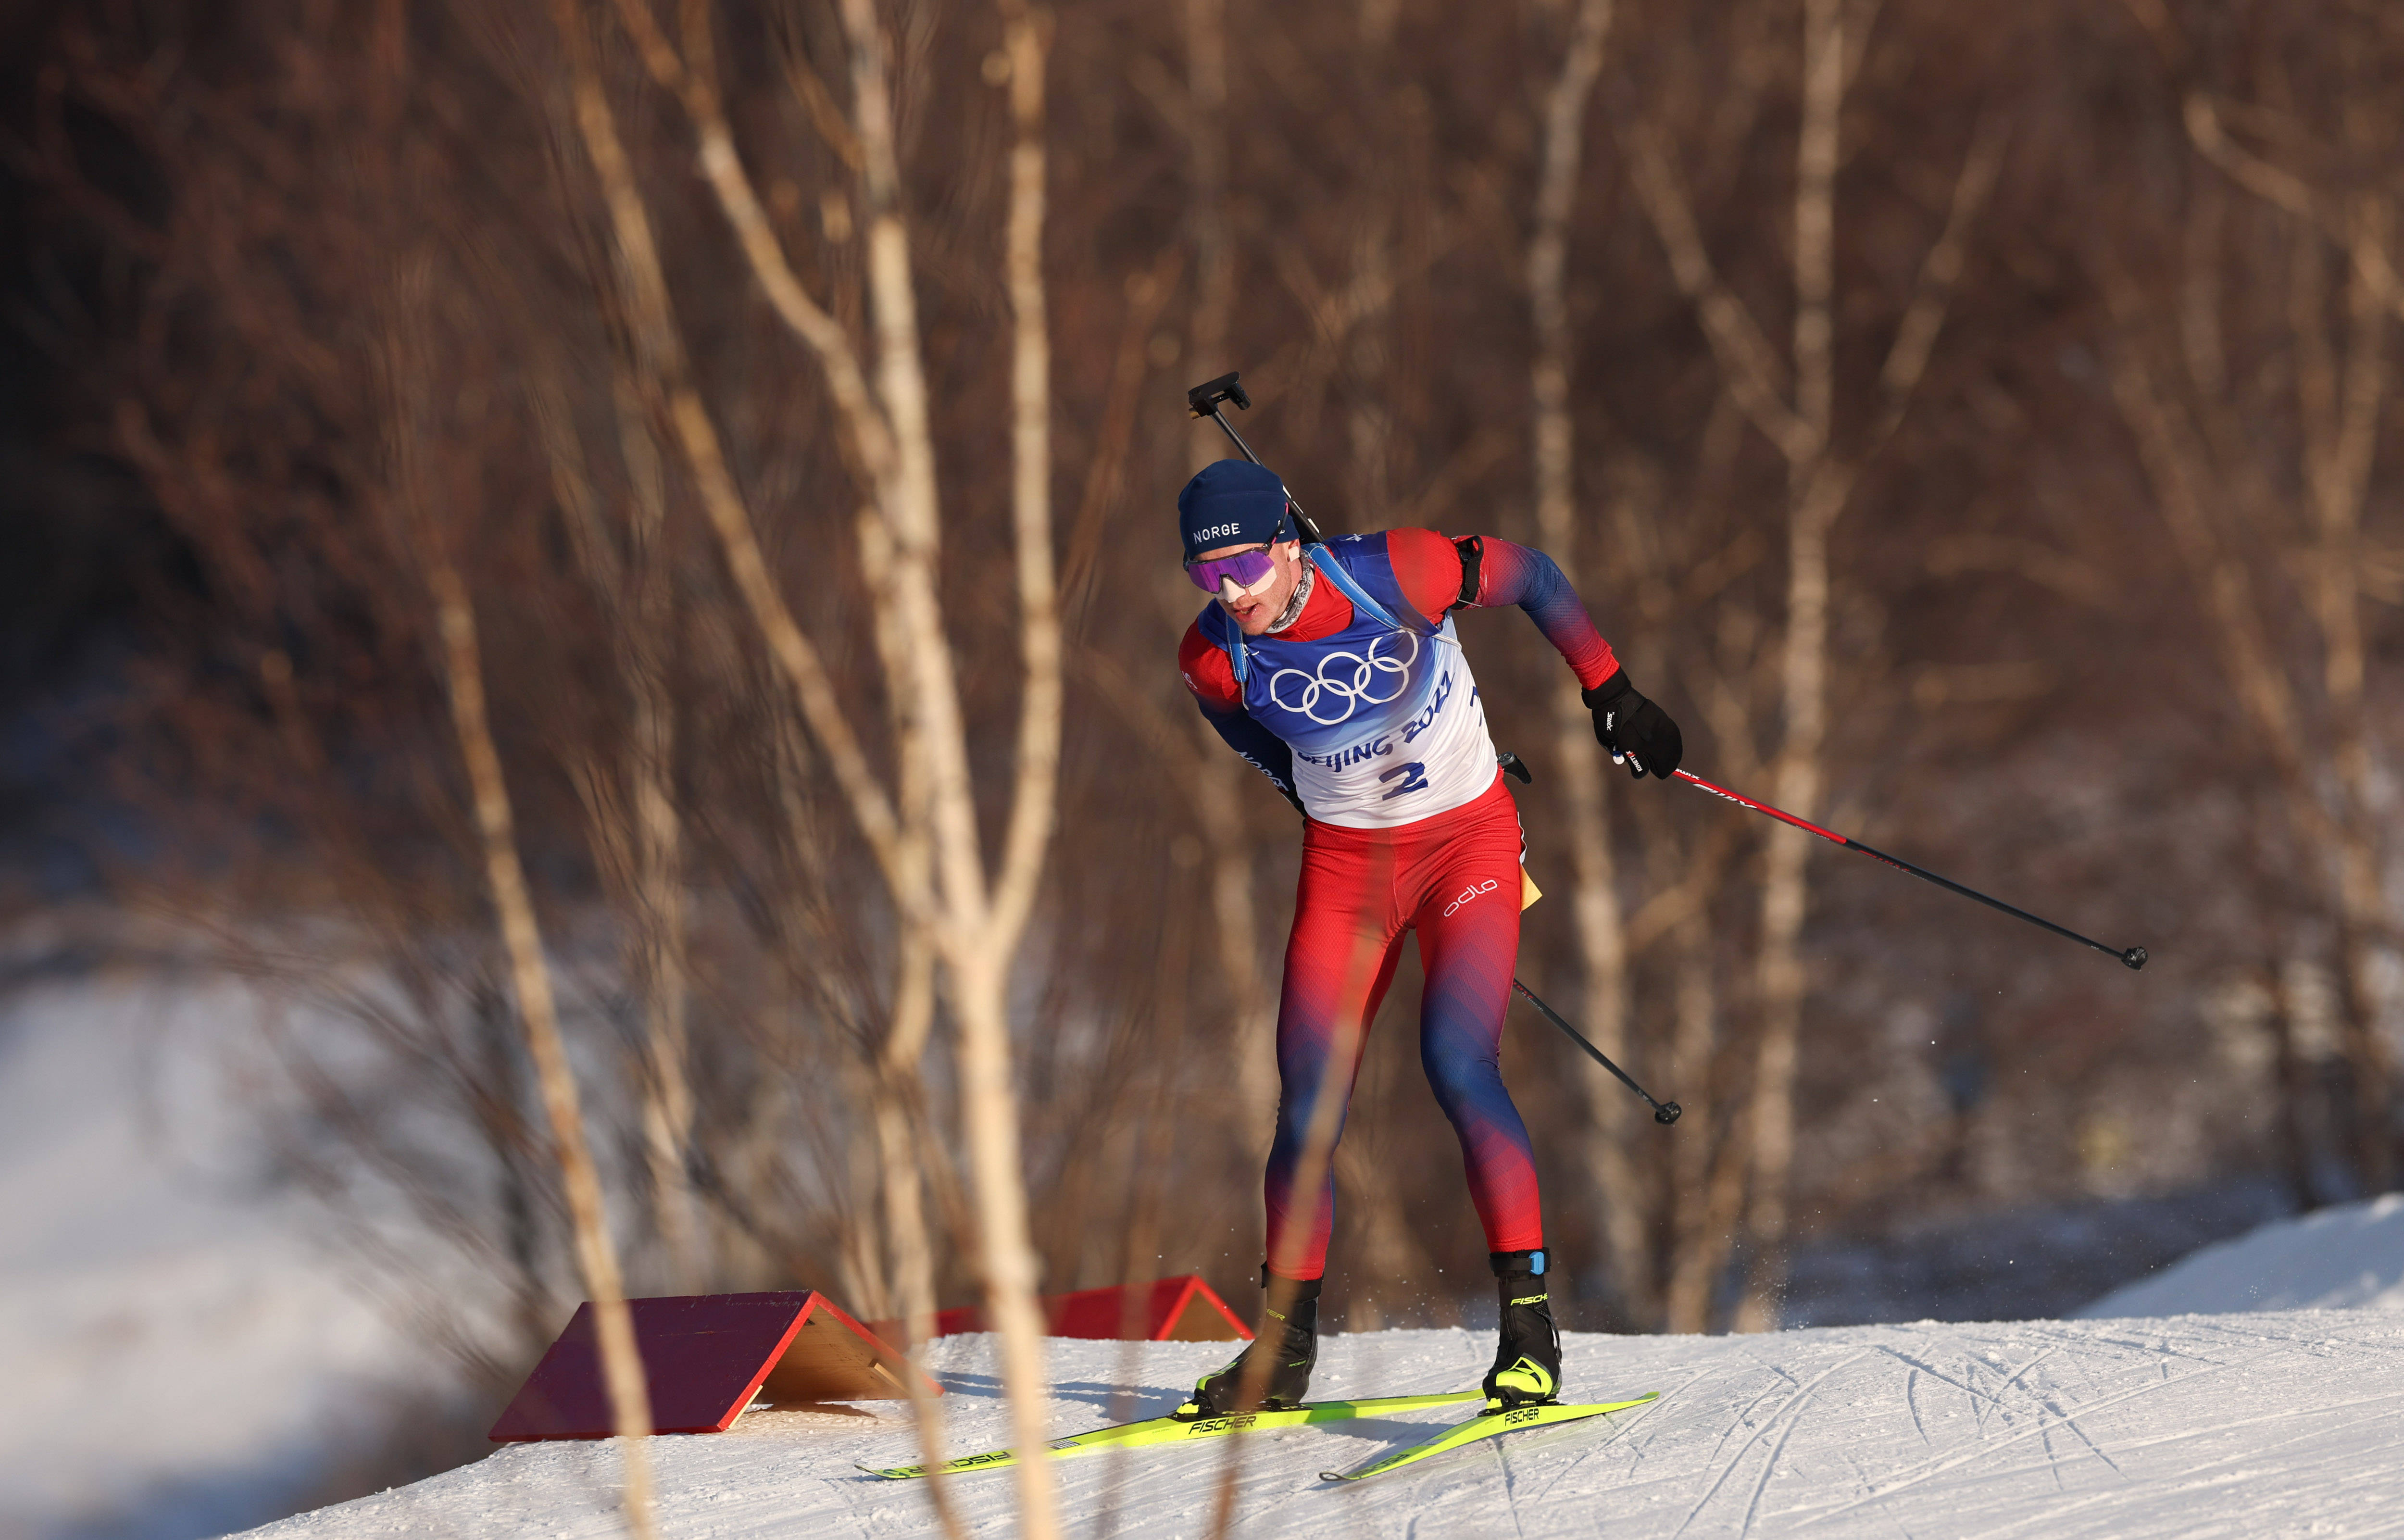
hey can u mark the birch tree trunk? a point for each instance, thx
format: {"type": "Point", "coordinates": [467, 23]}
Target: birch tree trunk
{"type": "Point", "coordinates": [882, 412]}
{"type": "Point", "coordinates": [976, 929]}
{"type": "Point", "coordinates": [1819, 481]}
{"type": "Point", "coordinates": [2340, 404]}
{"type": "Point", "coordinates": [621, 1366]}
{"type": "Point", "coordinates": [2340, 446]}
{"type": "Point", "coordinates": [2193, 458]}
{"type": "Point", "coordinates": [1803, 670]}
{"type": "Point", "coordinates": [979, 961]}
{"type": "Point", "coordinates": [1601, 942]}
{"type": "Point", "coordinates": [1219, 775]}
{"type": "Point", "coordinates": [659, 868]}
{"type": "Point", "coordinates": [639, 836]}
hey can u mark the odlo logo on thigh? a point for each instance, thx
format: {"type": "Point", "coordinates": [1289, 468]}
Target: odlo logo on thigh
{"type": "Point", "coordinates": [1473, 890]}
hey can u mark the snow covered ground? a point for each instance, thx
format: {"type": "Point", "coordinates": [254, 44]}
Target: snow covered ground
{"type": "Point", "coordinates": [2288, 1423]}
{"type": "Point", "coordinates": [2038, 1262]}
{"type": "Point", "coordinates": [181, 1357]}
{"type": "Point", "coordinates": [178, 1357]}
{"type": "Point", "coordinates": [2350, 1257]}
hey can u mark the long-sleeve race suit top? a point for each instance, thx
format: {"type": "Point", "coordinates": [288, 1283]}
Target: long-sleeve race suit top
{"type": "Point", "coordinates": [1362, 708]}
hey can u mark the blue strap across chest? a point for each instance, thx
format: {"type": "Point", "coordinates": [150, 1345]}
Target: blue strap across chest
{"type": "Point", "coordinates": [1331, 566]}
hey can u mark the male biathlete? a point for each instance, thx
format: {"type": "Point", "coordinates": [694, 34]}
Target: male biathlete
{"type": "Point", "coordinates": [1334, 669]}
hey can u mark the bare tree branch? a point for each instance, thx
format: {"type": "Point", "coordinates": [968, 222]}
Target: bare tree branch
{"type": "Point", "coordinates": [462, 665]}
{"type": "Point", "coordinates": [1026, 40]}
{"type": "Point", "coordinates": [661, 350]}
{"type": "Point", "coordinates": [1940, 271]}
{"type": "Point", "coordinates": [1755, 380]}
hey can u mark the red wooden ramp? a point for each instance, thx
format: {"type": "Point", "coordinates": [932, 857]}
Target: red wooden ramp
{"type": "Point", "coordinates": [1170, 1310]}
{"type": "Point", "coordinates": [705, 1357]}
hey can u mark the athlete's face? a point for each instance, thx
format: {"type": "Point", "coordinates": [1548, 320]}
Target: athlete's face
{"type": "Point", "coordinates": [1254, 609]}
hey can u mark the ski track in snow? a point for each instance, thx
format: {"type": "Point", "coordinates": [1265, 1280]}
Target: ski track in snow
{"type": "Point", "coordinates": [2261, 1425]}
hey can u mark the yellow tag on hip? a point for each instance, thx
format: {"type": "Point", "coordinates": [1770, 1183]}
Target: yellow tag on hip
{"type": "Point", "coordinates": [1528, 891]}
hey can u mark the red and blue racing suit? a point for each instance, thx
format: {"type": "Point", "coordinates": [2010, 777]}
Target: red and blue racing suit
{"type": "Point", "coordinates": [1365, 709]}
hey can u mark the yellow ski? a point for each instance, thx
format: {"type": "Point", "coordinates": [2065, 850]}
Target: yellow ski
{"type": "Point", "coordinates": [1167, 1429]}
{"type": "Point", "coordinates": [1483, 1425]}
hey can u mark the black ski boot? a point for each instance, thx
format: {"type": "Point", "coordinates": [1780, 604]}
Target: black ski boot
{"type": "Point", "coordinates": [1294, 1341]}
{"type": "Point", "coordinates": [1528, 1364]}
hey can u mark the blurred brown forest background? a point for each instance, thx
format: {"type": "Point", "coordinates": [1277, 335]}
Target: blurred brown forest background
{"type": "Point", "coordinates": [1976, 424]}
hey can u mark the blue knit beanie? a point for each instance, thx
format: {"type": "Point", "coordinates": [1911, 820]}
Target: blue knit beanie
{"type": "Point", "coordinates": [1232, 502]}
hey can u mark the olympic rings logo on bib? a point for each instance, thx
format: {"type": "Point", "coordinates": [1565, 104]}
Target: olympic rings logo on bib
{"type": "Point", "coordinates": [1355, 683]}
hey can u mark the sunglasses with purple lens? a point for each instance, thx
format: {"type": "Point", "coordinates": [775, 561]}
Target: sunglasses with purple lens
{"type": "Point", "coordinates": [1247, 568]}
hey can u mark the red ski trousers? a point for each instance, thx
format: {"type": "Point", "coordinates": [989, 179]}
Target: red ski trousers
{"type": "Point", "coordinates": [1455, 879]}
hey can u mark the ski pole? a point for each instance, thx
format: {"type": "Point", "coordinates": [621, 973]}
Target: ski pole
{"type": "Point", "coordinates": [1663, 1112]}
{"type": "Point", "coordinates": [2135, 957]}
{"type": "Point", "coordinates": [1204, 400]}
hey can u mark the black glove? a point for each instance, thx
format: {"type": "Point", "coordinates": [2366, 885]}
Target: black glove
{"type": "Point", "coordinates": [1639, 734]}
